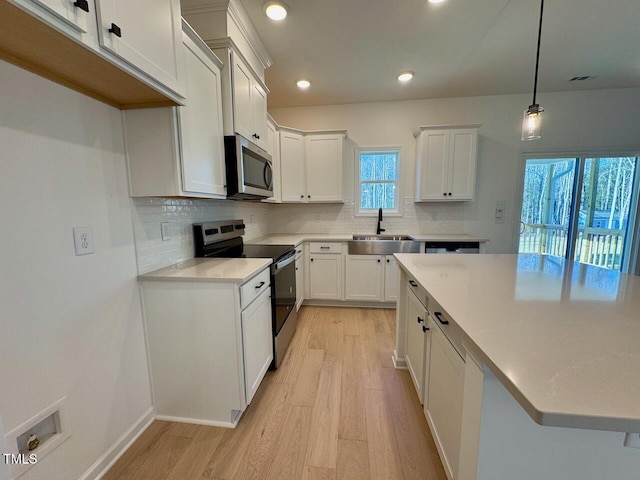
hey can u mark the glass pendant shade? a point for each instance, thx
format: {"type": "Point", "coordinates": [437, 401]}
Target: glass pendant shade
{"type": "Point", "coordinates": [531, 122]}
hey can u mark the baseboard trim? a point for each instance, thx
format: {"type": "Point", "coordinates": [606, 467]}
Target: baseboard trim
{"type": "Point", "coordinates": [348, 303]}
{"type": "Point", "coordinates": [111, 456]}
{"type": "Point", "coordinates": [197, 421]}
{"type": "Point", "coordinates": [399, 363]}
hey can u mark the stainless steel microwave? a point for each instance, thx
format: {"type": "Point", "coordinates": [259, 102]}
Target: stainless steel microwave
{"type": "Point", "coordinates": [249, 169]}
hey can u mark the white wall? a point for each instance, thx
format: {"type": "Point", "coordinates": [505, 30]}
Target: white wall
{"type": "Point", "coordinates": [574, 120]}
{"type": "Point", "coordinates": [149, 213]}
{"type": "Point", "coordinates": [71, 326]}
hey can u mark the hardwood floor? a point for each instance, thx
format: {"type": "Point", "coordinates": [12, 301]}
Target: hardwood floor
{"type": "Point", "coordinates": [336, 409]}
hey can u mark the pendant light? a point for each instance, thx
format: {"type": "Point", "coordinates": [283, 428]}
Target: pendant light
{"type": "Point", "coordinates": [533, 115]}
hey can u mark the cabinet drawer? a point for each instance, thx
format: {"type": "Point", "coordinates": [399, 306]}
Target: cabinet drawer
{"type": "Point", "coordinates": [325, 247]}
{"type": "Point", "coordinates": [418, 291]}
{"type": "Point", "coordinates": [254, 287]}
{"type": "Point", "coordinates": [450, 330]}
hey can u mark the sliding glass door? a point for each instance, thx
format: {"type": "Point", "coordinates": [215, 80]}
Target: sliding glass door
{"type": "Point", "coordinates": [579, 208]}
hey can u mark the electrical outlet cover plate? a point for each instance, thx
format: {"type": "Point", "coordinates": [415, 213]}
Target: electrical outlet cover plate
{"type": "Point", "coordinates": [83, 240]}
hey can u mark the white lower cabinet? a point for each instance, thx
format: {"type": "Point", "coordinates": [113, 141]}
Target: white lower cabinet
{"type": "Point", "coordinates": [208, 347]}
{"type": "Point", "coordinates": [257, 342]}
{"type": "Point", "coordinates": [417, 344]}
{"type": "Point", "coordinates": [444, 401]}
{"type": "Point", "coordinates": [325, 276]}
{"type": "Point", "coordinates": [363, 277]}
{"type": "Point", "coordinates": [391, 278]}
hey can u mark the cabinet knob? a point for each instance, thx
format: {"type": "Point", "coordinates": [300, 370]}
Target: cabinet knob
{"type": "Point", "coordinates": [425, 329]}
{"type": "Point", "coordinates": [301, 196]}
{"type": "Point", "coordinates": [312, 259]}
{"type": "Point", "coordinates": [115, 29]}
{"type": "Point", "coordinates": [449, 193]}
{"type": "Point", "coordinates": [445, 194]}
{"type": "Point", "coordinates": [82, 5]}
{"type": "Point", "coordinates": [388, 260]}
{"type": "Point", "coordinates": [378, 260]}
{"type": "Point", "coordinates": [420, 320]}
{"type": "Point", "coordinates": [308, 196]}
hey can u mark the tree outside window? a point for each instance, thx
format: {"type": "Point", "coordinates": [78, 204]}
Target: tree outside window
{"type": "Point", "coordinates": [378, 178]}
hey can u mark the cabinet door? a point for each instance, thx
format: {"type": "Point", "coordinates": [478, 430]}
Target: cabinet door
{"type": "Point", "coordinates": [242, 84]}
{"type": "Point", "coordinates": [75, 16]}
{"type": "Point", "coordinates": [257, 342]}
{"type": "Point", "coordinates": [433, 173]}
{"type": "Point", "coordinates": [391, 279]}
{"type": "Point", "coordinates": [415, 356]}
{"type": "Point", "coordinates": [292, 166]}
{"type": "Point", "coordinates": [147, 34]}
{"type": "Point", "coordinates": [363, 277]}
{"type": "Point", "coordinates": [443, 406]}
{"type": "Point", "coordinates": [462, 164]}
{"type": "Point", "coordinates": [299, 282]}
{"type": "Point", "coordinates": [258, 115]}
{"type": "Point", "coordinates": [325, 276]}
{"type": "Point", "coordinates": [324, 168]}
{"type": "Point", "coordinates": [201, 136]}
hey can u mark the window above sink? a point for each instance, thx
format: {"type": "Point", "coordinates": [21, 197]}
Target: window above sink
{"type": "Point", "coordinates": [378, 181]}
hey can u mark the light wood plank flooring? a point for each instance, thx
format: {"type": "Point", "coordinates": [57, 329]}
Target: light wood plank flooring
{"type": "Point", "coordinates": [336, 409]}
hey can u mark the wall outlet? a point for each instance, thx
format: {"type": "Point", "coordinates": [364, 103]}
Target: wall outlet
{"type": "Point", "coordinates": [501, 207]}
{"type": "Point", "coordinates": [317, 217]}
{"type": "Point", "coordinates": [166, 231]}
{"type": "Point", "coordinates": [252, 218]}
{"type": "Point", "coordinates": [434, 216]}
{"type": "Point", "coordinates": [83, 240]}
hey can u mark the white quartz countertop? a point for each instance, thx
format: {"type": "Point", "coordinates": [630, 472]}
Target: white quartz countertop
{"type": "Point", "coordinates": [564, 338]}
{"type": "Point", "coordinates": [297, 238]}
{"type": "Point", "coordinates": [445, 237]}
{"type": "Point", "coordinates": [221, 270]}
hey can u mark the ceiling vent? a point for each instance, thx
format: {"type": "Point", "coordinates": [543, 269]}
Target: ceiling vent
{"type": "Point", "coordinates": [581, 78]}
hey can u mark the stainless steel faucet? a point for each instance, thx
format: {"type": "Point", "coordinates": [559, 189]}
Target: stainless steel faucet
{"type": "Point", "coordinates": [379, 230]}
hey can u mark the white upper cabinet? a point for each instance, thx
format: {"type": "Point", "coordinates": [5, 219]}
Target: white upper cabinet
{"type": "Point", "coordinates": [141, 68]}
{"type": "Point", "coordinates": [311, 166]}
{"type": "Point", "coordinates": [145, 33]}
{"type": "Point", "coordinates": [180, 151]}
{"type": "Point", "coordinates": [244, 99]}
{"type": "Point", "coordinates": [324, 159]}
{"type": "Point", "coordinates": [446, 163]}
{"type": "Point", "coordinates": [292, 171]}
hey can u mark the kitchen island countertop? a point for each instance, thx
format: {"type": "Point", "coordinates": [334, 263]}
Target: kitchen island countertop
{"type": "Point", "coordinates": [563, 337]}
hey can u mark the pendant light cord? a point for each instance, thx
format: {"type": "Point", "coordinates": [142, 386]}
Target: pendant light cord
{"type": "Point", "coordinates": [535, 80]}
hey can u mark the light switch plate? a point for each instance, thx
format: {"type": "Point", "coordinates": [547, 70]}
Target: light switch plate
{"type": "Point", "coordinates": [166, 231]}
{"type": "Point", "coordinates": [83, 240]}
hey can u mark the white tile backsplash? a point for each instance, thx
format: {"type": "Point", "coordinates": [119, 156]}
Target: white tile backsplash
{"type": "Point", "coordinates": [149, 213]}
{"type": "Point", "coordinates": [262, 219]}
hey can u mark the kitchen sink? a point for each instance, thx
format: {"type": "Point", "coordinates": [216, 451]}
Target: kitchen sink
{"type": "Point", "coordinates": [382, 245]}
{"type": "Point", "coordinates": [382, 237]}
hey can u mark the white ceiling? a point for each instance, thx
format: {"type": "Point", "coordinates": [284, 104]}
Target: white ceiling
{"type": "Point", "coordinates": [353, 50]}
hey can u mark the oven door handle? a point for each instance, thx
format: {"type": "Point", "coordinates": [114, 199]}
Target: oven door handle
{"type": "Point", "coordinates": [285, 261]}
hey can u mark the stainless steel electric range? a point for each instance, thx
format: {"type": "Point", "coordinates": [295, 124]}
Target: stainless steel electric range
{"type": "Point", "coordinates": [223, 239]}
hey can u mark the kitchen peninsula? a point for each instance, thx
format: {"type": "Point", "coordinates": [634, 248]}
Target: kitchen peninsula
{"type": "Point", "coordinates": [508, 334]}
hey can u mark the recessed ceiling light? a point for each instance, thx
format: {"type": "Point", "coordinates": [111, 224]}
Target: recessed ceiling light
{"type": "Point", "coordinates": [437, 1]}
{"type": "Point", "coordinates": [275, 11]}
{"type": "Point", "coordinates": [405, 76]}
{"type": "Point", "coordinates": [303, 84]}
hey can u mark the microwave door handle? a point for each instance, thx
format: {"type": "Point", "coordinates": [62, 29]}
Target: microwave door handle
{"type": "Point", "coordinates": [267, 174]}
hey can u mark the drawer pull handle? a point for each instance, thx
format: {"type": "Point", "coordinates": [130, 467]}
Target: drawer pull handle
{"type": "Point", "coordinates": [325, 248]}
{"type": "Point", "coordinates": [115, 29]}
{"type": "Point", "coordinates": [260, 285]}
{"type": "Point", "coordinates": [439, 317]}
{"type": "Point", "coordinates": [420, 320]}
{"type": "Point", "coordinates": [412, 283]}
{"type": "Point", "coordinates": [82, 5]}
{"type": "Point", "coordinates": [425, 329]}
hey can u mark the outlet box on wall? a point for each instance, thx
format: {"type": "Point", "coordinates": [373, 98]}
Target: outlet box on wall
{"type": "Point", "coordinates": [83, 240]}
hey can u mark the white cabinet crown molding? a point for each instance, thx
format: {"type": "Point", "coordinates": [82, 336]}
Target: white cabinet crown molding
{"type": "Point", "coordinates": [227, 42]}
{"type": "Point", "coordinates": [191, 33]}
{"type": "Point", "coordinates": [422, 128]}
{"type": "Point", "coordinates": [239, 16]}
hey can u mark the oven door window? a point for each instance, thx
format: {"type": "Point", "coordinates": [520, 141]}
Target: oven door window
{"type": "Point", "coordinates": [257, 170]}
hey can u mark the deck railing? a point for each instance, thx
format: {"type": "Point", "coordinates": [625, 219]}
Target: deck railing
{"type": "Point", "coordinates": [602, 247]}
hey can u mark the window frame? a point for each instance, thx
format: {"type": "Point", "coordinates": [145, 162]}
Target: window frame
{"type": "Point", "coordinates": [395, 212]}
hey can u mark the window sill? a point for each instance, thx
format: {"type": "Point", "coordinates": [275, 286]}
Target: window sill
{"type": "Point", "coordinates": [375, 214]}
